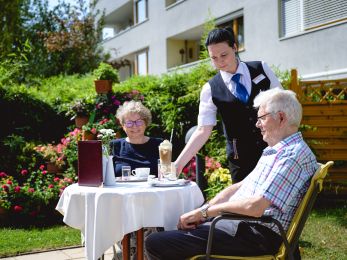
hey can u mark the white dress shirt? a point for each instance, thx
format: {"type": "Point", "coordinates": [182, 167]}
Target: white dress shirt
{"type": "Point", "coordinates": [208, 110]}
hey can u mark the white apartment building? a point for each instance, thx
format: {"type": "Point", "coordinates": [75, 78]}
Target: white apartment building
{"type": "Point", "coordinates": [158, 36]}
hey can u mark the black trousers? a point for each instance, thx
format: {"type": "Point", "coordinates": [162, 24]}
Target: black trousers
{"type": "Point", "coordinates": [249, 240]}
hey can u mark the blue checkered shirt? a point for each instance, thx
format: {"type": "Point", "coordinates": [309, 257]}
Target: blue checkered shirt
{"type": "Point", "coordinates": [282, 176]}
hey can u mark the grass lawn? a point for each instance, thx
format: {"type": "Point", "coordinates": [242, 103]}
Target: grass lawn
{"type": "Point", "coordinates": [19, 240]}
{"type": "Point", "coordinates": [324, 236]}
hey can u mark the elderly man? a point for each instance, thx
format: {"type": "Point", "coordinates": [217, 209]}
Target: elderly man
{"type": "Point", "coordinates": [275, 187]}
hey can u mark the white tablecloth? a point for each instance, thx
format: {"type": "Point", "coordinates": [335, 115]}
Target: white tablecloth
{"type": "Point", "coordinates": [104, 215]}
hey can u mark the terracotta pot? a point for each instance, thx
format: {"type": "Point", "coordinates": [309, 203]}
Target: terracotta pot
{"type": "Point", "coordinates": [103, 86]}
{"type": "Point", "coordinates": [81, 121]}
{"type": "Point", "coordinates": [52, 167]}
{"type": "Point", "coordinates": [88, 136]}
{"type": "Point", "coordinates": [118, 135]}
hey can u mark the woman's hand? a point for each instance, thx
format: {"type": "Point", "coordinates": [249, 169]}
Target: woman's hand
{"type": "Point", "coordinates": [190, 220]}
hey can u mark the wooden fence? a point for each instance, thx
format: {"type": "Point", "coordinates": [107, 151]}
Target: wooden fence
{"type": "Point", "coordinates": [325, 124]}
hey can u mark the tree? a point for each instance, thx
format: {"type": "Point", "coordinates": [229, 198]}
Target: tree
{"type": "Point", "coordinates": [71, 38]}
{"type": "Point", "coordinates": [64, 40]}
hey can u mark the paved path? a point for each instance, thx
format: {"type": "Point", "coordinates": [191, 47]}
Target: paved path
{"type": "Point", "coordinates": [76, 253]}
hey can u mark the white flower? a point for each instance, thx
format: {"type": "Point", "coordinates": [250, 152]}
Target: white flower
{"type": "Point", "coordinates": [106, 135]}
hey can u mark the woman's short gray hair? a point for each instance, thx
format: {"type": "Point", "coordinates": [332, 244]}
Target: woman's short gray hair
{"type": "Point", "coordinates": [277, 99]}
{"type": "Point", "coordinates": [134, 107]}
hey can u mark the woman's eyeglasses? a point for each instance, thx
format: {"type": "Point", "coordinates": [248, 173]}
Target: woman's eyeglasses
{"type": "Point", "coordinates": [130, 123]}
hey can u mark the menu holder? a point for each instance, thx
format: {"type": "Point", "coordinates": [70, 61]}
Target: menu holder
{"type": "Point", "coordinates": [90, 163]}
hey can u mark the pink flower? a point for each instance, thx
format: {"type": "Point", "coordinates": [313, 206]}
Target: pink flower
{"type": "Point", "coordinates": [68, 180]}
{"type": "Point", "coordinates": [3, 174]}
{"type": "Point", "coordinates": [31, 190]}
{"type": "Point", "coordinates": [44, 172]}
{"type": "Point", "coordinates": [24, 172]}
{"type": "Point", "coordinates": [9, 182]}
{"type": "Point", "coordinates": [50, 186]}
{"type": "Point", "coordinates": [116, 102]}
{"type": "Point", "coordinates": [18, 208]}
{"type": "Point", "coordinates": [17, 189]}
{"type": "Point", "coordinates": [93, 131]}
{"type": "Point", "coordinates": [56, 179]}
{"type": "Point", "coordinates": [42, 167]}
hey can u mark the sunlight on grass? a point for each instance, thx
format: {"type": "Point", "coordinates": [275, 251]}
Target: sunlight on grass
{"type": "Point", "coordinates": [325, 233]}
{"type": "Point", "coordinates": [15, 240]}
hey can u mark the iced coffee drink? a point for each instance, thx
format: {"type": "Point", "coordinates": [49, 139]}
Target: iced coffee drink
{"type": "Point", "coordinates": [165, 154]}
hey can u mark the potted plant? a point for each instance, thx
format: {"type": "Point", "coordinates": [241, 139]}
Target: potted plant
{"type": "Point", "coordinates": [105, 75]}
{"type": "Point", "coordinates": [79, 110]}
{"type": "Point", "coordinates": [89, 131]}
{"type": "Point", "coordinates": [53, 156]}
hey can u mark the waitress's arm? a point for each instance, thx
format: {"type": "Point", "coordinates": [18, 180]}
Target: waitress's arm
{"type": "Point", "coordinates": [196, 141]}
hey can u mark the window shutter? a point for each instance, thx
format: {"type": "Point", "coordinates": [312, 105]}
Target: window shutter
{"type": "Point", "coordinates": [290, 17]}
{"type": "Point", "coordinates": [322, 12]}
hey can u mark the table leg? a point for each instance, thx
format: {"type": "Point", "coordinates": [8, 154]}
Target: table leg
{"type": "Point", "coordinates": [126, 247]}
{"type": "Point", "coordinates": [139, 244]}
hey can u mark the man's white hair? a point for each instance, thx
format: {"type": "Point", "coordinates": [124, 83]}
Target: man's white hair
{"type": "Point", "coordinates": [277, 99]}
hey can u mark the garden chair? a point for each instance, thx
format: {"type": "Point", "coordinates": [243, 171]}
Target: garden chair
{"type": "Point", "coordinates": [291, 238]}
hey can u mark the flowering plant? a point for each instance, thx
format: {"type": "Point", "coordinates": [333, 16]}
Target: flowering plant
{"type": "Point", "coordinates": [106, 104]}
{"type": "Point", "coordinates": [52, 153]}
{"type": "Point", "coordinates": [91, 128]}
{"type": "Point", "coordinates": [106, 135]}
{"type": "Point", "coordinates": [79, 107]}
{"type": "Point", "coordinates": [218, 177]}
{"type": "Point", "coordinates": [189, 172]}
{"type": "Point", "coordinates": [39, 190]}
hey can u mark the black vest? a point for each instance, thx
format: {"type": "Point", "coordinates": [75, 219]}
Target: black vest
{"type": "Point", "coordinates": [244, 140]}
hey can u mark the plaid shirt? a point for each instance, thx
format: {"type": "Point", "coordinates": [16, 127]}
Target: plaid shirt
{"type": "Point", "coordinates": [282, 176]}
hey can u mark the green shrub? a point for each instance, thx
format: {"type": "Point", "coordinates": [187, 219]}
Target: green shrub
{"type": "Point", "coordinates": [106, 72]}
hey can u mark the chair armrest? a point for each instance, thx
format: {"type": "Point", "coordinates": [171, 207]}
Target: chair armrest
{"type": "Point", "coordinates": [233, 216]}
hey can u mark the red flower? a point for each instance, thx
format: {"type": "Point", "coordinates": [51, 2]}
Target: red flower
{"type": "Point", "coordinates": [33, 213]}
{"type": "Point", "coordinates": [5, 187]}
{"type": "Point", "coordinates": [56, 179]}
{"type": "Point", "coordinates": [42, 167]}
{"type": "Point", "coordinates": [50, 186]}
{"type": "Point", "coordinates": [93, 131]}
{"type": "Point", "coordinates": [185, 170]}
{"type": "Point", "coordinates": [3, 174]}
{"type": "Point", "coordinates": [31, 190]}
{"type": "Point", "coordinates": [9, 182]}
{"type": "Point", "coordinates": [44, 172]}
{"type": "Point", "coordinates": [18, 208]}
{"type": "Point", "coordinates": [17, 189]}
{"type": "Point", "coordinates": [24, 172]}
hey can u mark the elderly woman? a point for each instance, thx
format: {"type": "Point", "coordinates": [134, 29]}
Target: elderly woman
{"type": "Point", "coordinates": [136, 150]}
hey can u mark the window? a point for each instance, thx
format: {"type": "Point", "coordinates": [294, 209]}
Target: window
{"type": "Point", "coordinates": [237, 25]}
{"type": "Point", "coordinates": [141, 63]}
{"type": "Point", "coordinates": [141, 10]}
{"type": "Point", "coordinates": [303, 15]}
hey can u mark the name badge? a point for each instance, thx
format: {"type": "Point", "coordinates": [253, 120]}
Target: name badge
{"type": "Point", "coordinates": [258, 78]}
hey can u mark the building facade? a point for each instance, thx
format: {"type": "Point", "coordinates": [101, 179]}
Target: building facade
{"type": "Point", "coordinates": [159, 36]}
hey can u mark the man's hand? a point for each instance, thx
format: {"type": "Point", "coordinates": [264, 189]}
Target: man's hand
{"type": "Point", "coordinates": [190, 220]}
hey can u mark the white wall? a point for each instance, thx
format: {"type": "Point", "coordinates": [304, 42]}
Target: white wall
{"type": "Point", "coordinates": [310, 53]}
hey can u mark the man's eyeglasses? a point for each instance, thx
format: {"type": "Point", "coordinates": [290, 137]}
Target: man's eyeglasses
{"type": "Point", "coordinates": [130, 123]}
{"type": "Point", "coordinates": [262, 117]}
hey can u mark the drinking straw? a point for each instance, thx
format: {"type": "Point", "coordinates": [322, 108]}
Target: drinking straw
{"type": "Point", "coordinates": [171, 135]}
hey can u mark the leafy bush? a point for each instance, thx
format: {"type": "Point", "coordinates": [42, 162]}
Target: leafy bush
{"type": "Point", "coordinates": [106, 72]}
{"type": "Point", "coordinates": [34, 199]}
